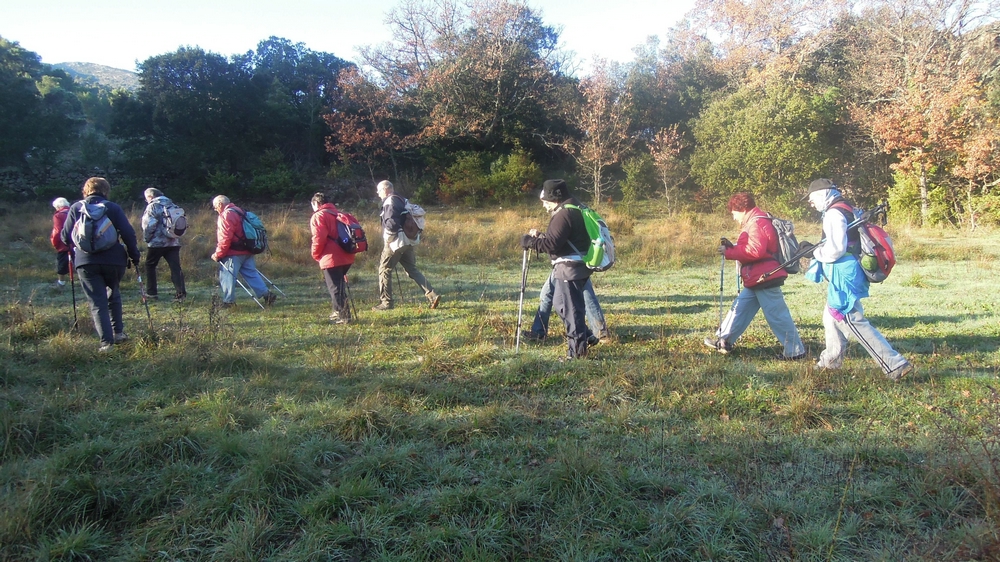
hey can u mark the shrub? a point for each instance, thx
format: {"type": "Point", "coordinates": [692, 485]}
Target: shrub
{"type": "Point", "coordinates": [465, 181]}
{"type": "Point", "coordinates": [513, 175]}
{"type": "Point", "coordinates": [640, 178]}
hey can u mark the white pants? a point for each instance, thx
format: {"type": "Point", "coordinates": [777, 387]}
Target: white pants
{"type": "Point", "coordinates": [855, 324]}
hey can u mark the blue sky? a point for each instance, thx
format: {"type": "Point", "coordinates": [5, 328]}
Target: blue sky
{"type": "Point", "coordinates": [120, 32]}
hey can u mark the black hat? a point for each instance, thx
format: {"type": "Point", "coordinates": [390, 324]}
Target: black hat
{"type": "Point", "coordinates": [819, 185]}
{"type": "Point", "coordinates": [554, 191]}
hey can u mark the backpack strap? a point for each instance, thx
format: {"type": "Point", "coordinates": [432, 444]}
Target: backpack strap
{"type": "Point", "coordinates": [336, 217]}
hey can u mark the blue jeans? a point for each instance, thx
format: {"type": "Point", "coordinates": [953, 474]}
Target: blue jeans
{"type": "Point", "coordinates": [772, 302]}
{"type": "Point", "coordinates": [239, 265]}
{"type": "Point", "coordinates": [100, 285]}
{"type": "Point", "coordinates": [595, 316]}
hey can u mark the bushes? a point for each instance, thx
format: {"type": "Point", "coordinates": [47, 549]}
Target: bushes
{"type": "Point", "coordinates": [474, 179]}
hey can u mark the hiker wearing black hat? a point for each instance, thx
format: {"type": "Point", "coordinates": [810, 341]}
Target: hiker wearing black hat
{"type": "Point", "coordinates": [563, 240]}
{"type": "Point", "coordinates": [832, 260]}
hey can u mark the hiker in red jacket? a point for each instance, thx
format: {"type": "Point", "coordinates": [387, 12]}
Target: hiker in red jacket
{"type": "Point", "coordinates": [755, 250]}
{"type": "Point", "coordinates": [61, 205]}
{"type": "Point", "coordinates": [232, 260]}
{"type": "Point", "coordinates": [333, 260]}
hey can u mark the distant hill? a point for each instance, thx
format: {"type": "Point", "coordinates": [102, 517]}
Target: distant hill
{"type": "Point", "coordinates": [111, 78]}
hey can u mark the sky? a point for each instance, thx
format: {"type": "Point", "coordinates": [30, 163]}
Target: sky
{"type": "Point", "coordinates": [120, 33]}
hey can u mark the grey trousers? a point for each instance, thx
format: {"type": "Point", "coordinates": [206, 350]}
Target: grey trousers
{"type": "Point", "coordinates": [855, 324]}
{"type": "Point", "coordinates": [406, 257]}
{"type": "Point", "coordinates": [772, 302]}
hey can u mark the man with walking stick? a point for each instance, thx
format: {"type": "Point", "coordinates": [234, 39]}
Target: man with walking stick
{"type": "Point", "coordinates": [566, 232]}
{"type": "Point", "coordinates": [755, 250]}
{"type": "Point", "coordinates": [234, 261]}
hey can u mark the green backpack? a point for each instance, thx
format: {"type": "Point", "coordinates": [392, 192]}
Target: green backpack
{"type": "Point", "coordinates": [601, 252]}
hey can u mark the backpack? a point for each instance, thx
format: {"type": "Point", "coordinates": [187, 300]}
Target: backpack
{"type": "Point", "coordinates": [93, 231]}
{"type": "Point", "coordinates": [350, 236]}
{"type": "Point", "coordinates": [788, 245]}
{"type": "Point", "coordinates": [254, 234]}
{"type": "Point", "coordinates": [413, 221]}
{"type": "Point", "coordinates": [601, 253]}
{"type": "Point", "coordinates": [873, 249]}
{"type": "Point", "coordinates": [174, 221]}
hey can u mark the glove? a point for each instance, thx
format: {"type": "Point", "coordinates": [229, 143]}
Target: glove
{"type": "Point", "coordinates": [806, 248]}
{"type": "Point", "coordinates": [725, 242]}
{"type": "Point", "coordinates": [526, 241]}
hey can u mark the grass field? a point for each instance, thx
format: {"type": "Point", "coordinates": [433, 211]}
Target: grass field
{"type": "Point", "coordinates": [420, 434]}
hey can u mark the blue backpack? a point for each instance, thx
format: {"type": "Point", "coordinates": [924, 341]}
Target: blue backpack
{"type": "Point", "coordinates": [93, 232]}
{"type": "Point", "coordinates": [254, 234]}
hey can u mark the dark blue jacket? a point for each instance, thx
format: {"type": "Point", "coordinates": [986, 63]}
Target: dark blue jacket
{"type": "Point", "coordinates": [116, 255]}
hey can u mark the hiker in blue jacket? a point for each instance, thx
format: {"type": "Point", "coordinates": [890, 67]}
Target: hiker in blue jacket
{"type": "Point", "coordinates": [569, 274]}
{"type": "Point", "coordinates": [847, 285]}
{"type": "Point", "coordinates": [101, 272]}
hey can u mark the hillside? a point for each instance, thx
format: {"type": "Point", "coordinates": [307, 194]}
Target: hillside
{"type": "Point", "coordinates": [109, 77]}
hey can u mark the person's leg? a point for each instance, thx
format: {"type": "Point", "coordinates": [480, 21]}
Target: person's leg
{"type": "Point", "coordinates": [741, 313]}
{"type": "Point", "coordinates": [153, 256]}
{"type": "Point", "coordinates": [228, 268]}
{"type": "Point", "coordinates": [340, 291]}
{"type": "Point", "coordinates": [836, 342]}
{"type": "Point", "coordinates": [248, 269]}
{"type": "Point", "coordinates": [595, 316]}
{"type": "Point", "coordinates": [386, 262]}
{"type": "Point", "coordinates": [62, 267]}
{"type": "Point", "coordinates": [96, 291]}
{"type": "Point", "coordinates": [568, 302]}
{"type": "Point", "coordinates": [873, 341]}
{"type": "Point", "coordinates": [540, 327]}
{"type": "Point", "coordinates": [114, 275]}
{"type": "Point", "coordinates": [772, 304]}
{"type": "Point", "coordinates": [408, 259]}
{"type": "Point", "coordinates": [173, 257]}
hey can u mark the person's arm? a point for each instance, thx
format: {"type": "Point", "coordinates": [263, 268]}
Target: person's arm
{"type": "Point", "coordinates": [319, 234]}
{"type": "Point", "coordinates": [67, 230]}
{"type": "Point", "coordinates": [392, 215]}
{"type": "Point", "coordinates": [556, 235]}
{"type": "Point", "coordinates": [225, 232]}
{"type": "Point", "coordinates": [835, 245]}
{"type": "Point", "coordinates": [125, 231]}
{"type": "Point", "coordinates": [150, 221]}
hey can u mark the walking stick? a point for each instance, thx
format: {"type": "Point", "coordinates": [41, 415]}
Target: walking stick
{"type": "Point", "coordinates": [142, 294]}
{"type": "Point", "coordinates": [72, 288]}
{"type": "Point", "coordinates": [722, 288]}
{"type": "Point", "coordinates": [866, 216]}
{"type": "Point", "coordinates": [269, 282]}
{"type": "Point", "coordinates": [520, 303]}
{"type": "Point", "coordinates": [399, 286]}
{"type": "Point", "coordinates": [350, 299]}
{"type": "Point", "coordinates": [232, 271]}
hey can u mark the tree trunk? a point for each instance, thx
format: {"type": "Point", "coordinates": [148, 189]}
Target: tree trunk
{"type": "Point", "coordinates": [925, 209]}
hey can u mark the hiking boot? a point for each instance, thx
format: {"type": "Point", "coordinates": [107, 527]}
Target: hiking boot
{"type": "Point", "coordinates": [59, 284]}
{"type": "Point", "coordinates": [901, 371]}
{"type": "Point", "coordinates": [783, 357]}
{"type": "Point", "coordinates": [382, 306]}
{"type": "Point", "coordinates": [269, 298]}
{"type": "Point", "coordinates": [604, 336]}
{"type": "Point", "coordinates": [343, 320]}
{"type": "Point", "coordinates": [105, 347]}
{"type": "Point", "coordinates": [179, 297]}
{"type": "Point", "coordinates": [532, 336]}
{"type": "Point", "coordinates": [228, 304]}
{"type": "Point", "coordinates": [593, 340]}
{"type": "Point", "coordinates": [435, 299]}
{"type": "Point", "coordinates": [122, 337]}
{"type": "Point", "coordinates": [719, 344]}
{"type": "Point", "coordinates": [152, 297]}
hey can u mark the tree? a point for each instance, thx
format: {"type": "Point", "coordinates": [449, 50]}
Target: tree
{"type": "Point", "coordinates": [665, 149]}
{"type": "Point", "coordinates": [603, 120]}
{"type": "Point", "coordinates": [765, 140]}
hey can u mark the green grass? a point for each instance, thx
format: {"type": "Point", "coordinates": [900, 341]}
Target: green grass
{"type": "Point", "coordinates": [420, 434]}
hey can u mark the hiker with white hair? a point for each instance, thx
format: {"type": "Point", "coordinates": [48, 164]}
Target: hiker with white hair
{"type": "Point", "coordinates": [61, 205]}
{"type": "Point", "coordinates": [163, 242]}
{"type": "Point", "coordinates": [398, 249]}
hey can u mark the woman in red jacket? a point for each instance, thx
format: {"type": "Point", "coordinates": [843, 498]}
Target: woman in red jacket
{"type": "Point", "coordinates": [61, 205]}
{"type": "Point", "coordinates": [755, 250]}
{"type": "Point", "coordinates": [333, 260]}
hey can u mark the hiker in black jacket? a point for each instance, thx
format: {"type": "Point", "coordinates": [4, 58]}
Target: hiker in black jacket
{"type": "Point", "coordinates": [566, 240]}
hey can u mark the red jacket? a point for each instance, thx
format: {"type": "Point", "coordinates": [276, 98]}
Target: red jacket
{"type": "Point", "coordinates": [228, 229]}
{"type": "Point", "coordinates": [325, 248]}
{"type": "Point", "coordinates": [755, 250]}
{"type": "Point", "coordinates": [58, 220]}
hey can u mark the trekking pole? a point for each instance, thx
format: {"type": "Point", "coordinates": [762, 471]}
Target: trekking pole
{"type": "Point", "coordinates": [142, 295]}
{"type": "Point", "coordinates": [399, 286]}
{"type": "Point", "coordinates": [269, 282]}
{"type": "Point", "coordinates": [880, 209]}
{"type": "Point", "coordinates": [240, 283]}
{"type": "Point", "coordinates": [350, 299]}
{"type": "Point", "coordinates": [72, 288]}
{"type": "Point", "coordinates": [722, 287]}
{"type": "Point", "coordinates": [520, 302]}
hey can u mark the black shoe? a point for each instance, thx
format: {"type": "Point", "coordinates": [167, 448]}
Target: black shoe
{"type": "Point", "coordinates": [719, 344]}
{"type": "Point", "coordinates": [783, 357]}
{"type": "Point", "coordinates": [593, 340]}
{"type": "Point", "coordinates": [228, 304]}
{"type": "Point", "coordinates": [179, 297]}
{"type": "Point", "coordinates": [152, 297]}
{"type": "Point", "coordinates": [270, 298]}
{"type": "Point", "coordinates": [532, 336]}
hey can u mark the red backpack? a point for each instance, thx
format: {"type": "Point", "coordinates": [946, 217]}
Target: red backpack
{"type": "Point", "coordinates": [350, 235]}
{"type": "Point", "coordinates": [873, 248]}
